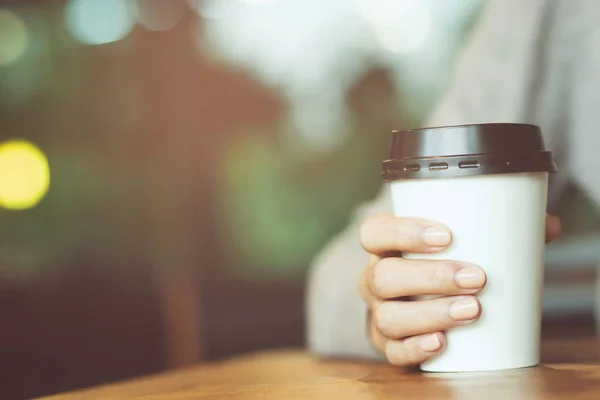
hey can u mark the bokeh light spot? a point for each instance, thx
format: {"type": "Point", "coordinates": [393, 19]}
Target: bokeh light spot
{"type": "Point", "coordinates": [213, 9]}
{"type": "Point", "coordinates": [160, 15]}
{"type": "Point", "coordinates": [383, 12]}
{"type": "Point", "coordinates": [14, 37]}
{"type": "Point", "coordinates": [100, 21]}
{"type": "Point", "coordinates": [24, 175]}
{"type": "Point", "coordinates": [410, 32]}
{"type": "Point", "coordinates": [258, 1]}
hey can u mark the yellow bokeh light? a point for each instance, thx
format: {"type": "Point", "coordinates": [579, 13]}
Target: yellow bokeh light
{"type": "Point", "coordinates": [14, 37]}
{"type": "Point", "coordinates": [24, 175]}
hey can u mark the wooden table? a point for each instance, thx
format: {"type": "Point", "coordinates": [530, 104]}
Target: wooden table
{"type": "Point", "coordinates": [571, 370]}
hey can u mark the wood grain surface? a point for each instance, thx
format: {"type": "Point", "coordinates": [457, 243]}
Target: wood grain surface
{"type": "Point", "coordinates": [571, 370]}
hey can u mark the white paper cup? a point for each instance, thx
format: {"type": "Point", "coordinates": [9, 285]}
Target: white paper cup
{"type": "Point", "coordinates": [497, 217]}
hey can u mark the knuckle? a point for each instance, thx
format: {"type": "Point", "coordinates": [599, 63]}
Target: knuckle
{"type": "Point", "coordinates": [399, 232]}
{"type": "Point", "coordinates": [384, 318]}
{"type": "Point", "coordinates": [404, 234]}
{"type": "Point", "coordinates": [408, 232]}
{"type": "Point", "coordinates": [399, 354]}
{"type": "Point", "coordinates": [365, 233]}
{"type": "Point", "coordinates": [413, 352]}
{"type": "Point", "coordinates": [394, 354]}
{"type": "Point", "coordinates": [363, 286]}
{"type": "Point", "coordinates": [379, 279]}
{"type": "Point", "coordinates": [441, 274]}
{"type": "Point", "coordinates": [444, 272]}
{"type": "Point", "coordinates": [377, 338]}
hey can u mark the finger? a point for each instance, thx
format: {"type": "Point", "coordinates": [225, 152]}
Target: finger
{"type": "Point", "coordinates": [398, 277]}
{"type": "Point", "coordinates": [415, 350]}
{"type": "Point", "coordinates": [384, 233]}
{"type": "Point", "coordinates": [410, 351]}
{"type": "Point", "coordinates": [377, 338]}
{"type": "Point", "coordinates": [553, 227]}
{"type": "Point", "coordinates": [398, 319]}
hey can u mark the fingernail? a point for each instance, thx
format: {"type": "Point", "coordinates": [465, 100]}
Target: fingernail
{"type": "Point", "coordinates": [470, 278]}
{"type": "Point", "coordinates": [464, 309]}
{"type": "Point", "coordinates": [437, 236]}
{"type": "Point", "coordinates": [430, 343]}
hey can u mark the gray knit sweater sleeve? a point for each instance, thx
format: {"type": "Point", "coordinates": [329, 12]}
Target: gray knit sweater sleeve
{"type": "Point", "coordinates": [336, 315]}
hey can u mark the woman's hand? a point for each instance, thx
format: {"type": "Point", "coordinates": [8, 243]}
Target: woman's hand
{"type": "Point", "coordinates": [411, 332]}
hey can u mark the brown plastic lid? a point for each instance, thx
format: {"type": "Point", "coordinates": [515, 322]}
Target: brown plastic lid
{"type": "Point", "coordinates": [466, 150]}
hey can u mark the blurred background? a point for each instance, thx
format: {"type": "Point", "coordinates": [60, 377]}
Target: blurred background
{"type": "Point", "coordinates": [169, 168]}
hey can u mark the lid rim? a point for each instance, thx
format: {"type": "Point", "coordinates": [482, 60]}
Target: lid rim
{"type": "Point", "coordinates": [482, 125]}
{"type": "Point", "coordinates": [467, 150]}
